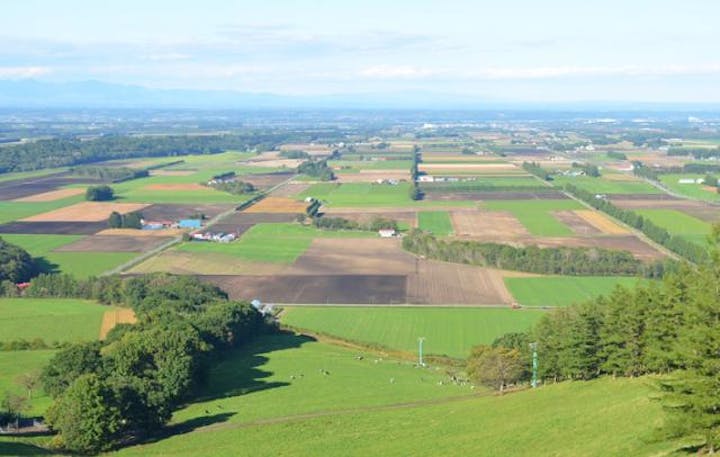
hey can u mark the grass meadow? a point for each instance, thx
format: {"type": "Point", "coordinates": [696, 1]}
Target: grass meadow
{"type": "Point", "coordinates": [51, 319]}
{"type": "Point", "coordinates": [694, 191]}
{"type": "Point", "coordinates": [607, 186]}
{"type": "Point", "coordinates": [563, 290]}
{"type": "Point", "coordinates": [437, 222]}
{"type": "Point", "coordinates": [680, 224]}
{"type": "Point", "coordinates": [449, 331]}
{"type": "Point", "coordinates": [359, 194]}
{"type": "Point", "coordinates": [16, 363]}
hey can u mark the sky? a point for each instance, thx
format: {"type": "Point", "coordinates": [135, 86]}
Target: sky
{"type": "Point", "coordinates": [509, 50]}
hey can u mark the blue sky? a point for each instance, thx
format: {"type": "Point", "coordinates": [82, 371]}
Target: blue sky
{"type": "Point", "coordinates": [521, 50]}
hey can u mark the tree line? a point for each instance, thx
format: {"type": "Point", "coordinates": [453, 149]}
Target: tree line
{"type": "Point", "coordinates": [317, 169]}
{"type": "Point", "coordinates": [123, 389]}
{"type": "Point", "coordinates": [639, 169]}
{"type": "Point", "coordinates": [341, 223]}
{"type": "Point", "coordinates": [680, 246]}
{"type": "Point", "coordinates": [60, 152]}
{"type": "Point", "coordinates": [667, 328]}
{"type": "Point", "coordinates": [697, 153]}
{"type": "Point", "coordinates": [112, 174]}
{"type": "Point", "coordinates": [532, 259]}
{"type": "Point", "coordinates": [16, 265]}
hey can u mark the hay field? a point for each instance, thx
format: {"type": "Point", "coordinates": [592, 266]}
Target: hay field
{"type": "Point", "coordinates": [602, 222]}
{"type": "Point", "coordinates": [53, 195]}
{"type": "Point", "coordinates": [277, 205]}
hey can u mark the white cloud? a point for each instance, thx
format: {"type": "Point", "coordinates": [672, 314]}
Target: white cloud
{"type": "Point", "coordinates": [397, 72]}
{"type": "Point", "coordinates": [22, 72]}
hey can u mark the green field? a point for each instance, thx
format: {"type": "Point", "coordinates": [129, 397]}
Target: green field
{"type": "Point", "coordinates": [16, 363]}
{"type": "Point", "coordinates": [272, 398]}
{"type": "Point", "coordinates": [679, 223]}
{"type": "Point", "coordinates": [80, 264]}
{"type": "Point", "coordinates": [437, 222]}
{"type": "Point", "coordinates": [606, 186]}
{"type": "Point", "coordinates": [563, 290]}
{"type": "Point", "coordinates": [449, 331]}
{"type": "Point", "coordinates": [272, 242]}
{"type": "Point", "coordinates": [359, 194]}
{"type": "Point", "coordinates": [695, 191]}
{"type": "Point", "coordinates": [51, 319]}
{"type": "Point", "coordinates": [536, 215]}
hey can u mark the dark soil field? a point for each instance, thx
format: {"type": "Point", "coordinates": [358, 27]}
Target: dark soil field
{"type": "Point", "coordinates": [577, 224]}
{"type": "Point", "coordinates": [176, 212]}
{"type": "Point", "coordinates": [698, 209]}
{"type": "Point", "coordinates": [267, 180]}
{"type": "Point", "coordinates": [241, 222]}
{"type": "Point", "coordinates": [459, 195]}
{"type": "Point", "coordinates": [114, 243]}
{"type": "Point", "coordinates": [330, 289]}
{"type": "Point", "coordinates": [12, 190]}
{"type": "Point", "coordinates": [54, 228]}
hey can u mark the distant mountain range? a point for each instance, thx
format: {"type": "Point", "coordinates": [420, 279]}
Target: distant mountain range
{"type": "Point", "coordinates": [97, 94]}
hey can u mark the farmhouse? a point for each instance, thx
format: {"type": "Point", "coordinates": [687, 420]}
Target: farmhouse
{"type": "Point", "coordinates": [386, 233]}
{"type": "Point", "coordinates": [426, 178]}
{"type": "Point", "coordinates": [190, 223]}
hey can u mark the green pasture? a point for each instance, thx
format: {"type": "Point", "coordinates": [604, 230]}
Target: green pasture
{"type": "Point", "coordinates": [437, 222]}
{"type": "Point", "coordinates": [563, 290]}
{"type": "Point", "coordinates": [606, 186]}
{"type": "Point", "coordinates": [13, 364]}
{"type": "Point", "coordinates": [679, 223]}
{"type": "Point", "coordinates": [51, 319]}
{"type": "Point", "coordinates": [694, 191]}
{"type": "Point", "coordinates": [448, 331]}
{"type": "Point", "coordinates": [13, 211]}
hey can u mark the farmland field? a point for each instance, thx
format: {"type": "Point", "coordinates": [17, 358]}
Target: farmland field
{"type": "Point", "coordinates": [12, 211]}
{"type": "Point", "coordinates": [359, 194]}
{"type": "Point", "coordinates": [267, 242]}
{"type": "Point", "coordinates": [563, 290]}
{"type": "Point", "coordinates": [536, 215]}
{"type": "Point", "coordinates": [437, 222]}
{"type": "Point", "coordinates": [52, 319]}
{"type": "Point", "coordinates": [607, 186]}
{"type": "Point", "coordinates": [679, 223]}
{"type": "Point", "coordinates": [695, 191]}
{"type": "Point", "coordinates": [449, 331]}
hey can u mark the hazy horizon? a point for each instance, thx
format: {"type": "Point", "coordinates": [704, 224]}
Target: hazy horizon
{"type": "Point", "coordinates": [519, 51]}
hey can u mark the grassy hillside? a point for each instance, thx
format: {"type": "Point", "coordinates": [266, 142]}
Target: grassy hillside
{"type": "Point", "coordinates": [449, 331]}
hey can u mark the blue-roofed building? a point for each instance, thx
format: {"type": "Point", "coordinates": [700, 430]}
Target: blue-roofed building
{"type": "Point", "coordinates": [190, 223]}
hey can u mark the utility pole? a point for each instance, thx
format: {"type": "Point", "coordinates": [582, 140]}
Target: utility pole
{"type": "Point", "coordinates": [420, 351]}
{"type": "Point", "coordinates": [534, 381]}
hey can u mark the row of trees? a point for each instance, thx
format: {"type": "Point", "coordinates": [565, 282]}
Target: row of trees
{"type": "Point", "coordinates": [535, 169]}
{"type": "Point", "coordinates": [653, 173]}
{"type": "Point", "coordinates": [697, 153]}
{"type": "Point", "coordinates": [130, 220]}
{"type": "Point", "coordinates": [16, 265]}
{"type": "Point", "coordinates": [680, 246]}
{"type": "Point", "coordinates": [61, 152]}
{"type": "Point", "coordinates": [318, 169]}
{"type": "Point", "coordinates": [294, 155]}
{"type": "Point", "coordinates": [124, 389]}
{"type": "Point", "coordinates": [235, 187]}
{"type": "Point", "coordinates": [112, 174]}
{"type": "Point", "coordinates": [667, 328]}
{"type": "Point", "coordinates": [562, 260]}
{"type": "Point", "coordinates": [340, 223]}
{"type": "Point", "coordinates": [99, 193]}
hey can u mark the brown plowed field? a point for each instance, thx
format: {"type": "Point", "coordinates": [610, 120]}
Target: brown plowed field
{"type": "Point", "coordinates": [54, 228]}
{"type": "Point", "coordinates": [362, 256]}
{"type": "Point", "coordinates": [240, 222]}
{"type": "Point", "coordinates": [20, 188]}
{"type": "Point", "coordinates": [449, 283]}
{"type": "Point", "coordinates": [173, 212]}
{"type": "Point", "coordinates": [486, 224]}
{"type": "Point", "coordinates": [86, 212]}
{"type": "Point", "coordinates": [315, 289]}
{"type": "Point", "coordinates": [466, 166]}
{"type": "Point", "coordinates": [277, 205]}
{"type": "Point", "coordinates": [577, 224]}
{"type": "Point", "coordinates": [114, 243]}
{"type": "Point", "coordinates": [165, 233]}
{"type": "Point", "coordinates": [631, 243]}
{"type": "Point", "coordinates": [115, 317]}
{"type": "Point", "coordinates": [52, 195]}
{"type": "Point", "coordinates": [290, 189]}
{"type": "Point", "coordinates": [267, 180]}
